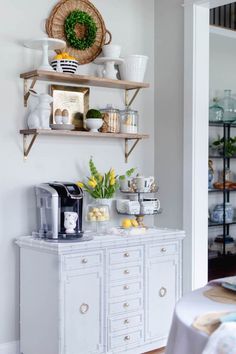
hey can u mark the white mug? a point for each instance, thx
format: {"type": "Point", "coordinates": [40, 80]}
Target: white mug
{"type": "Point", "coordinates": [139, 182]}
{"type": "Point", "coordinates": [148, 181]}
{"type": "Point", "coordinates": [70, 218]}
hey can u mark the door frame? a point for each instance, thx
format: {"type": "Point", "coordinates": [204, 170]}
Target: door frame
{"type": "Point", "coordinates": [195, 174]}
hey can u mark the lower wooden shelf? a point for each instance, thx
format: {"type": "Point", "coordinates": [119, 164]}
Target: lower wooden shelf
{"type": "Point", "coordinates": [31, 135]}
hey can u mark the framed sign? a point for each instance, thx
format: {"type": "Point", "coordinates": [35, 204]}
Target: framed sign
{"type": "Point", "coordinates": [74, 99]}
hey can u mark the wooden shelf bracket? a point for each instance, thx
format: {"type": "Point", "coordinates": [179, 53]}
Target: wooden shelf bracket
{"type": "Point", "coordinates": [26, 89]}
{"type": "Point", "coordinates": [27, 146]}
{"type": "Point", "coordinates": [128, 150]}
{"type": "Point", "coordinates": [128, 101]}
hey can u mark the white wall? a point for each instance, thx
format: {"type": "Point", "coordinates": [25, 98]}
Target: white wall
{"type": "Point", "coordinates": [132, 25]}
{"type": "Point", "coordinates": [169, 42]}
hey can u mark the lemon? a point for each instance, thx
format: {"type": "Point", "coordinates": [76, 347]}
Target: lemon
{"type": "Point", "coordinates": [58, 57]}
{"type": "Point", "coordinates": [134, 223]}
{"type": "Point", "coordinates": [126, 223]}
{"type": "Point", "coordinates": [65, 55]}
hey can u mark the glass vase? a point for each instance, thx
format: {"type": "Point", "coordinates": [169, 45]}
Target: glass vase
{"type": "Point", "coordinates": [216, 112]}
{"type": "Point", "coordinates": [229, 105]}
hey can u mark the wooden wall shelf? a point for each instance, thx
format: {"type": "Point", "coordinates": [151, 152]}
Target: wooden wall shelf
{"type": "Point", "coordinates": [33, 133]}
{"type": "Point", "coordinates": [40, 75]}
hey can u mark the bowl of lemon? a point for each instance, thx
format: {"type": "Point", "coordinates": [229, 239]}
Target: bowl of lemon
{"type": "Point", "coordinates": [65, 63]}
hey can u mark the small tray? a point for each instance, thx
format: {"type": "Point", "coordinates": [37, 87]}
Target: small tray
{"type": "Point", "coordinates": [62, 126]}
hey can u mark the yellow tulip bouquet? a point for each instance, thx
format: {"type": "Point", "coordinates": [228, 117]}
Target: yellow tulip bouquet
{"type": "Point", "coordinates": [101, 186]}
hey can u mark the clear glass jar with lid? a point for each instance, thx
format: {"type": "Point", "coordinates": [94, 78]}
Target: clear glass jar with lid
{"type": "Point", "coordinates": [129, 121]}
{"type": "Point", "coordinates": [111, 118]}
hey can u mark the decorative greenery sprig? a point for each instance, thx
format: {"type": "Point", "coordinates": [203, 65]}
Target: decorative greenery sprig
{"type": "Point", "coordinates": [80, 17]}
{"type": "Point", "coordinates": [93, 113]}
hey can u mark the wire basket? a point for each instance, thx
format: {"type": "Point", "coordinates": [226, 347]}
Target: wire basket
{"type": "Point", "coordinates": [56, 22]}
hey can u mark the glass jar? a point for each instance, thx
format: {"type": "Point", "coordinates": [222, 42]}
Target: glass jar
{"type": "Point", "coordinates": [98, 215]}
{"type": "Point", "coordinates": [217, 214]}
{"type": "Point", "coordinates": [111, 118]}
{"type": "Point", "coordinates": [129, 121]}
{"type": "Point", "coordinates": [216, 112]}
{"type": "Point", "coordinates": [229, 105]}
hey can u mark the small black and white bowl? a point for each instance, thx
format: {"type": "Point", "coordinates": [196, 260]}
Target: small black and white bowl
{"type": "Point", "coordinates": [65, 65]}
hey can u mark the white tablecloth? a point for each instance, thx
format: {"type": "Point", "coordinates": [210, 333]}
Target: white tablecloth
{"type": "Point", "coordinates": [183, 338]}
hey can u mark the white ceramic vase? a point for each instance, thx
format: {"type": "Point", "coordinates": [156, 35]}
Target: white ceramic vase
{"type": "Point", "coordinates": [133, 68]}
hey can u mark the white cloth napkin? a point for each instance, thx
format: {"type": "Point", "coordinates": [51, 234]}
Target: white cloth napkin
{"type": "Point", "coordinates": [223, 340]}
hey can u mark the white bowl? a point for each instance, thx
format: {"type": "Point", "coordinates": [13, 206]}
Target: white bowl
{"type": "Point", "coordinates": [111, 50]}
{"type": "Point", "coordinates": [93, 124]}
{"type": "Point", "coordinates": [66, 65]}
{"type": "Point", "coordinates": [133, 68]}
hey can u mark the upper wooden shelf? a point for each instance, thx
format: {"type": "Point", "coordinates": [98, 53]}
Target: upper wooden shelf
{"type": "Point", "coordinates": [82, 80]}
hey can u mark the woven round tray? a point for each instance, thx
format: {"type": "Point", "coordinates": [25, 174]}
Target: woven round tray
{"type": "Point", "coordinates": [55, 28]}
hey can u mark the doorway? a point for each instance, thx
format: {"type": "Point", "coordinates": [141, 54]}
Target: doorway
{"type": "Point", "coordinates": [196, 102]}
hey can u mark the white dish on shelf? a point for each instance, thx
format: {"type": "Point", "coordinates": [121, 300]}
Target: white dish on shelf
{"type": "Point", "coordinates": [45, 44]}
{"type": "Point", "coordinates": [62, 126]}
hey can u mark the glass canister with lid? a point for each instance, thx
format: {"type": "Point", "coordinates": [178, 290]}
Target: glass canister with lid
{"type": "Point", "coordinates": [129, 121]}
{"type": "Point", "coordinates": [111, 118]}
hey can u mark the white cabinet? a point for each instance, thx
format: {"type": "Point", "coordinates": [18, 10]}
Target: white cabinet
{"type": "Point", "coordinates": [83, 312]}
{"type": "Point", "coordinates": [105, 296]}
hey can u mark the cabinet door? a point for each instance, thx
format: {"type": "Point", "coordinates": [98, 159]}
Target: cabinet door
{"type": "Point", "coordinates": [161, 295]}
{"type": "Point", "coordinates": [84, 313]}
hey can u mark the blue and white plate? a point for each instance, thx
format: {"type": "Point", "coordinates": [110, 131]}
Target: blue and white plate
{"type": "Point", "coordinates": [230, 286]}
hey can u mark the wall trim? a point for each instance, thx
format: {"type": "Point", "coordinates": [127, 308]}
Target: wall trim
{"type": "Point", "coordinates": [10, 348]}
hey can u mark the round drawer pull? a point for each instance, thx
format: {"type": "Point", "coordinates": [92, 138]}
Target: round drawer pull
{"type": "Point", "coordinates": [126, 254]}
{"type": "Point", "coordinates": [162, 292]}
{"type": "Point", "coordinates": [126, 287]}
{"type": "Point", "coordinates": [84, 260]}
{"type": "Point", "coordinates": [126, 338]}
{"type": "Point", "coordinates": [126, 305]}
{"type": "Point", "coordinates": [163, 249]}
{"type": "Point", "coordinates": [126, 321]}
{"type": "Point", "coordinates": [126, 271]}
{"type": "Point", "coordinates": [84, 308]}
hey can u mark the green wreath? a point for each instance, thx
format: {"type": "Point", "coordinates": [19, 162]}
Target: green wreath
{"type": "Point", "coordinates": [82, 18]}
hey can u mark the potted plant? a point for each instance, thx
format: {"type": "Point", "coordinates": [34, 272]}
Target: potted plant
{"type": "Point", "coordinates": [125, 179]}
{"type": "Point", "coordinates": [94, 120]}
{"type": "Point", "coordinates": [224, 147]}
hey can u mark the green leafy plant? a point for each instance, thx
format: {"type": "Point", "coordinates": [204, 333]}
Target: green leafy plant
{"type": "Point", "coordinates": [94, 113]}
{"type": "Point", "coordinates": [82, 18]}
{"type": "Point", "coordinates": [127, 174]}
{"type": "Point", "coordinates": [229, 144]}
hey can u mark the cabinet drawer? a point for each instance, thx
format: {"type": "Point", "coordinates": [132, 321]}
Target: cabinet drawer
{"type": "Point", "coordinates": [126, 339]}
{"type": "Point", "coordinates": [125, 306]}
{"type": "Point", "coordinates": [128, 288]}
{"type": "Point", "coordinates": [125, 322]}
{"type": "Point", "coordinates": [83, 260]}
{"type": "Point", "coordinates": [125, 255]}
{"type": "Point", "coordinates": [162, 250]}
{"type": "Point", "coordinates": [127, 272]}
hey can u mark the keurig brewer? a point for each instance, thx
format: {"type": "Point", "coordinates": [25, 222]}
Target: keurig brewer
{"type": "Point", "coordinates": [59, 210]}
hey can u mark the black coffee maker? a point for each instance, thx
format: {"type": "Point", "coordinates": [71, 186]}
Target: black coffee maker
{"type": "Point", "coordinates": [59, 210]}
